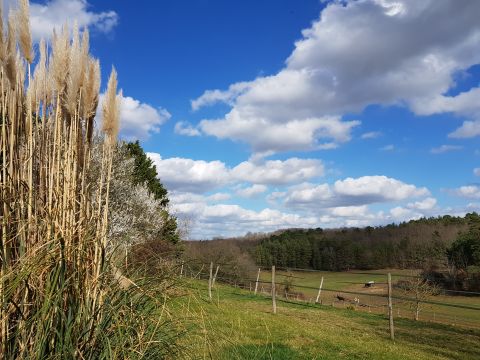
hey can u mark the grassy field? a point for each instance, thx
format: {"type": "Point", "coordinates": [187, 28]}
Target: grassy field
{"type": "Point", "coordinates": [239, 325]}
{"type": "Point", "coordinates": [354, 282]}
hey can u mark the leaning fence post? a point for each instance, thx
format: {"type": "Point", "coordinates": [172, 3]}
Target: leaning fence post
{"type": "Point", "coordinates": [390, 307]}
{"type": "Point", "coordinates": [256, 284]}
{"type": "Point", "coordinates": [319, 291]}
{"type": "Point", "coordinates": [210, 281]}
{"type": "Point", "coordinates": [215, 276]}
{"type": "Point", "coordinates": [274, 301]}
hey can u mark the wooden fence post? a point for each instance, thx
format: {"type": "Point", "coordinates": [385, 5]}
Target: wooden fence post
{"type": "Point", "coordinates": [390, 307]}
{"type": "Point", "coordinates": [274, 300]}
{"type": "Point", "coordinates": [319, 291]}
{"type": "Point", "coordinates": [256, 284]}
{"type": "Point", "coordinates": [215, 276]}
{"type": "Point", "coordinates": [181, 270]}
{"type": "Point", "coordinates": [210, 281]}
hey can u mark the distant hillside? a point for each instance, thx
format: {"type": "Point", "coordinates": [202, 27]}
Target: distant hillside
{"type": "Point", "coordinates": [413, 244]}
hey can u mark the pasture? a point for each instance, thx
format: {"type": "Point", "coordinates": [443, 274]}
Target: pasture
{"type": "Point", "coordinates": [235, 324]}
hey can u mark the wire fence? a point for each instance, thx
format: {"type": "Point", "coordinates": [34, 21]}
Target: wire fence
{"type": "Point", "coordinates": [460, 309]}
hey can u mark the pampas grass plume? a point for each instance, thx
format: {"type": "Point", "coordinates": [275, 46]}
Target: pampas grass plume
{"type": "Point", "coordinates": [111, 108]}
{"type": "Point", "coordinates": [24, 34]}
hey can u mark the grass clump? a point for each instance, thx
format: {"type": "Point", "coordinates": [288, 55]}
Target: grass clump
{"type": "Point", "coordinates": [61, 295]}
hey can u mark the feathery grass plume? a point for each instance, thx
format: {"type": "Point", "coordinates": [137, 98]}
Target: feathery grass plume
{"type": "Point", "coordinates": [24, 34]}
{"type": "Point", "coordinates": [21, 69]}
{"type": "Point", "coordinates": [75, 73]}
{"type": "Point", "coordinates": [59, 59]}
{"type": "Point", "coordinates": [85, 50]}
{"type": "Point", "coordinates": [40, 73]}
{"type": "Point", "coordinates": [111, 109]}
{"type": "Point", "coordinates": [90, 95]}
{"type": "Point", "coordinates": [11, 55]}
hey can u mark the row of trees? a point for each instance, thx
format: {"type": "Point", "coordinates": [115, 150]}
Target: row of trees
{"type": "Point", "coordinates": [415, 244]}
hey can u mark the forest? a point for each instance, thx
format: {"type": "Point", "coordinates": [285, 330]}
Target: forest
{"type": "Point", "coordinates": [446, 247]}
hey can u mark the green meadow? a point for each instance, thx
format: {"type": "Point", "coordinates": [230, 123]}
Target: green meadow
{"type": "Point", "coordinates": [236, 324]}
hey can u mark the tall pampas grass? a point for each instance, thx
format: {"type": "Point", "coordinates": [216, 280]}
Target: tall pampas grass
{"type": "Point", "coordinates": [59, 293]}
{"type": "Point", "coordinates": [25, 36]}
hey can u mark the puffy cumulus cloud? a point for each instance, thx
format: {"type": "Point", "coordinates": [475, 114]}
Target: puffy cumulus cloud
{"type": "Point", "coordinates": [211, 97]}
{"type": "Point", "coordinates": [351, 192]}
{"type": "Point", "coordinates": [357, 53]}
{"type": "Point", "coordinates": [196, 176]}
{"type": "Point", "coordinates": [350, 211]}
{"type": "Point", "coordinates": [399, 213]}
{"type": "Point", "coordinates": [468, 191]}
{"type": "Point", "coordinates": [425, 204]}
{"type": "Point", "coordinates": [184, 128]}
{"type": "Point", "coordinates": [445, 148]}
{"type": "Point", "coordinates": [251, 191]}
{"type": "Point", "coordinates": [137, 120]}
{"type": "Point", "coordinates": [377, 189]}
{"type": "Point", "coordinates": [309, 195]}
{"type": "Point", "coordinates": [55, 13]}
{"type": "Point", "coordinates": [269, 136]}
{"type": "Point", "coordinates": [277, 172]}
{"type": "Point", "coordinates": [199, 176]}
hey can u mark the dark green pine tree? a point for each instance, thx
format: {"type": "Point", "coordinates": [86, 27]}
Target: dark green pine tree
{"type": "Point", "coordinates": [145, 173]}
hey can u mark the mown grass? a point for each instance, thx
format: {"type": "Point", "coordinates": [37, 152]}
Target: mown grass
{"type": "Point", "coordinates": [239, 325]}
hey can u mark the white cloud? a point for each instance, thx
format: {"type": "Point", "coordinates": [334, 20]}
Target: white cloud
{"type": "Point", "coordinates": [184, 128]}
{"type": "Point", "coordinates": [278, 172]}
{"type": "Point", "coordinates": [426, 204]}
{"type": "Point", "coordinates": [350, 211]}
{"type": "Point", "coordinates": [137, 120]}
{"type": "Point", "coordinates": [55, 13]}
{"type": "Point", "coordinates": [197, 176]}
{"type": "Point", "coordinates": [399, 213]}
{"type": "Point", "coordinates": [468, 191]}
{"type": "Point", "coordinates": [469, 129]}
{"type": "Point", "coordinates": [357, 53]}
{"type": "Point", "coordinates": [218, 197]}
{"type": "Point", "coordinates": [378, 187]}
{"type": "Point", "coordinates": [251, 191]}
{"type": "Point", "coordinates": [371, 135]}
{"type": "Point", "coordinates": [234, 220]}
{"type": "Point", "coordinates": [351, 192]}
{"type": "Point", "coordinates": [211, 97]}
{"type": "Point", "coordinates": [268, 137]}
{"type": "Point", "coordinates": [476, 171]}
{"type": "Point", "coordinates": [445, 148]}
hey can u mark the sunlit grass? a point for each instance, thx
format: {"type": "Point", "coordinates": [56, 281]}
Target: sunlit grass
{"type": "Point", "coordinates": [239, 325]}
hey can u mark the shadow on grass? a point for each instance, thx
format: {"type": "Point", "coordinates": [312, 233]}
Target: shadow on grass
{"type": "Point", "coordinates": [256, 351]}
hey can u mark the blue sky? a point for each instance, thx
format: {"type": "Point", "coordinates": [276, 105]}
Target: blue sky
{"type": "Point", "coordinates": [280, 113]}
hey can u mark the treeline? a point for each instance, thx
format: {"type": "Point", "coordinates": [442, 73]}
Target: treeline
{"type": "Point", "coordinates": [413, 244]}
